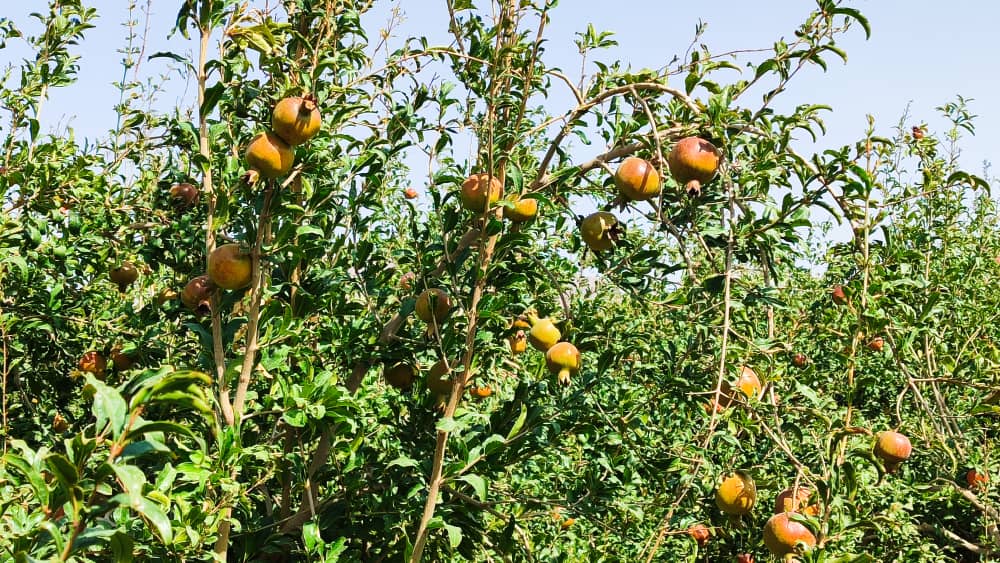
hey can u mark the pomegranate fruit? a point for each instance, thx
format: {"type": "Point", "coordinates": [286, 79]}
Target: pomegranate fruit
{"type": "Point", "coordinates": [918, 132]}
{"type": "Point", "coordinates": [693, 162]}
{"type": "Point", "coordinates": [59, 424]}
{"type": "Point", "coordinates": [745, 558]}
{"type": "Point", "coordinates": [563, 359]}
{"type": "Point", "coordinates": [518, 342]}
{"type": "Point", "coordinates": [121, 361]}
{"type": "Point", "coordinates": [480, 191]}
{"type": "Point", "coordinates": [437, 381]}
{"type": "Point", "coordinates": [406, 281]}
{"type": "Point", "coordinates": [892, 448]}
{"type": "Point", "coordinates": [799, 360]}
{"type": "Point", "coordinates": [699, 533]}
{"type": "Point", "coordinates": [433, 305]}
{"type": "Point", "coordinates": [736, 494]}
{"type": "Point", "coordinates": [748, 383]}
{"type": "Point", "coordinates": [567, 523]}
{"type": "Point", "coordinates": [184, 195]}
{"type": "Point", "coordinates": [400, 375]}
{"type": "Point", "coordinates": [976, 480]}
{"type": "Point", "coordinates": [93, 362]}
{"type": "Point", "coordinates": [124, 275]}
{"type": "Point", "coordinates": [410, 193]}
{"type": "Point", "coordinates": [296, 119]}
{"type": "Point", "coordinates": [543, 334]}
{"type": "Point", "coordinates": [229, 267]}
{"type": "Point", "coordinates": [795, 500]}
{"type": "Point", "coordinates": [784, 536]}
{"type": "Point", "coordinates": [600, 231]}
{"type": "Point", "coordinates": [838, 295]}
{"type": "Point", "coordinates": [197, 295]}
{"type": "Point", "coordinates": [524, 209]}
{"type": "Point", "coordinates": [637, 179]}
{"type": "Point", "coordinates": [521, 321]}
{"type": "Point", "coordinates": [269, 155]}
{"type": "Point", "coordinates": [480, 391]}
{"type": "Point", "coordinates": [876, 344]}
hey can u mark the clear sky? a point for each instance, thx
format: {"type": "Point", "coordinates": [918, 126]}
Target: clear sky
{"type": "Point", "coordinates": [921, 51]}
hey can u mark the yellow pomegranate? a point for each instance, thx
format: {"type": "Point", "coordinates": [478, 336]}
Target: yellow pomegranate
{"type": "Point", "coordinates": [693, 162]}
{"type": "Point", "coordinates": [563, 359]}
{"type": "Point", "coordinates": [229, 267]}
{"type": "Point", "coordinates": [269, 155]}
{"type": "Point", "coordinates": [893, 449]}
{"type": "Point", "coordinates": [600, 231]}
{"type": "Point", "coordinates": [524, 209]}
{"type": "Point", "coordinates": [296, 119]}
{"type": "Point", "coordinates": [543, 334]}
{"type": "Point", "coordinates": [433, 305]}
{"type": "Point", "coordinates": [749, 383]}
{"type": "Point", "coordinates": [637, 179]}
{"type": "Point", "coordinates": [480, 191]}
{"type": "Point", "coordinates": [783, 536]}
{"type": "Point", "coordinates": [736, 494]}
{"type": "Point", "coordinates": [518, 342]}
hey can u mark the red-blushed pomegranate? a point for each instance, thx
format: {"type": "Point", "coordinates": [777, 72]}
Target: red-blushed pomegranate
{"type": "Point", "coordinates": [736, 494]}
{"type": "Point", "coordinates": [799, 360]}
{"type": "Point", "coordinates": [296, 119]}
{"type": "Point", "coordinates": [976, 480]}
{"type": "Point", "coordinates": [184, 195]}
{"type": "Point", "coordinates": [410, 193]}
{"type": "Point", "coordinates": [693, 162]}
{"type": "Point", "coordinates": [197, 295]}
{"type": "Point", "coordinates": [93, 362]}
{"type": "Point", "coordinates": [121, 360]}
{"type": "Point", "coordinates": [543, 334]}
{"type": "Point", "coordinates": [838, 295]}
{"type": "Point", "coordinates": [699, 533]}
{"type": "Point", "coordinates": [406, 281]}
{"type": "Point", "coordinates": [563, 359]}
{"type": "Point", "coordinates": [745, 558]}
{"type": "Point", "coordinates": [600, 231]}
{"type": "Point", "coordinates": [229, 267]}
{"type": "Point", "coordinates": [795, 500]}
{"type": "Point", "coordinates": [918, 133]}
{"type": "Point", "coordinates": [480, 391]}
{"type": "Point", "coordinates": [892, 448]}
{"type": "Point", "coordinates": [59, 424]}
{"type": "Point", "coordinates": [876, 344]}
{"type": "Point", "coordinates": [480, 191]}
{"type": "Point", "coordinates": [433, 305]}
{"type": "Point", "coordinates": [269, 155]}
{"type": "Point", "coordinates": [523, 210]}
{"type": "Point", "coordinates": [518, 342]}
{"type": "Point", "coordinates": [124, 275]}
{"type": "Point", "coordinates": [784, 536]}
{"type": "Point", "coordinates": [637, 179]}
{"type": "Point", "coordinates": [400, 375]}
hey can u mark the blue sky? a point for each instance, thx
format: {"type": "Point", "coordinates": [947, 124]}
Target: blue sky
{"type": "Point", "coordinates": [919, 53]}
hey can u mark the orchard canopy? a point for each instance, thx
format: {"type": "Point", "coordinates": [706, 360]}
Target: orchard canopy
{"type": "Point", "coordinates": [359, 296]}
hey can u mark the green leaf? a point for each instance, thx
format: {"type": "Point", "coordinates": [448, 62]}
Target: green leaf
{"type": "Point", "coordinates": [63, 469]}
{"type": "Point", "coordinates": [109, 407]}
{"type": "Point", "coordinates": [478, 484]}
{"type": "Point", "coordinates": [454, 535]}
{"type": "Point", "coordinates": [519, 423]}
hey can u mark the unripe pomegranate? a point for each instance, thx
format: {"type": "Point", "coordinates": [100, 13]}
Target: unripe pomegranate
{"type": "Point", "coordinates": [600, 231]}
{"type": "Point", "coordinates": [693, 162]}
{"type": "Point", "coordinates": [296, 119]}
{"type": "Point", "coordinates": [976, 480]}
{"type": "Point", "coordinates": [518, 342]}
{"type": "Point", "coordinates": [524, 209]}
{"type": "Point", "coordinates": [782, 535]}
{"type": "Point", "coordinates": [799, 360]}
{"type": "Point", "coordinates": [736, 494]}
{"type": "Point", "coordinates": [59, 424]}
{"type": "Point", "coordinates": [480, 391]}
{"type": "Point", "coordinates": [876, 344]}
{"type": "Point", "coordinates": [795, 500]}
{"type": "Point", "coordinates": [120, 360]}
{"type": "Point", "coordinates": [229, 267]}
{"type": "Point", "coordinates": [184, 195]}
{"type": "Point", "coordinates": [197, 295]}
{"type": "Point", "coordinates": [269, 155]}
{"type": "Point", "coordinates": [892, 448]}
{"type": "Point", "coordinates": [637, 179]}
{"type": "Point", "coordinates": [399, 375]}
{"type": "Point", "coordinates": [433, 305]}
{"type": "Point", "coordinates": [699, 533]}
{"type": "Point", "coordinates": [563, 359]}
{"type": "Point", "coordinates": [480, 191]}
{"type": "Point", "coordinates": [438, 381]}
{"type": "Point", "coordinates": [124, 275]}
{"type": "Point", "coordinates": [543, 334]}
{"type": "Point", "coordinates": [410, 193]}
{"type": "Point", "coordinates": [93, 362]}
{"type": "Point", "coordinates": [838, 295]}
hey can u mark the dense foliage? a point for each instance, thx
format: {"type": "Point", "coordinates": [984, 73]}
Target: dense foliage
{"type": "Point", "coordinates": [297, 420]}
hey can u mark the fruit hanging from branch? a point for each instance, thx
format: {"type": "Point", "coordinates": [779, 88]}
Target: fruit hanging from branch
{"type": "Point", "coordinates": [229, 267]}
{"type": "Point", "coordinates": [269, 156]}
{"type": "Point", "coordinates": [699, 533]}
{"type": "Point", "coordinates": [893, 449]}
{"type": "Point", "coordinates": [876, 344]}
{"type": "Point", "coordinates": [736, 494]}
{"type": "Point", "coordinates": [600, 231]}
{"type": "Point", "coordinates": [693, 162]}
{"type": "Point", "coordinates": [518, 342]}
{"type": "Point", "coordinates": [296, 119]}
{"type": "Point", "coordinates": [400, 375]}
{"type": "Point", "coordinates": [523, 210]}
{"type": "Point", "coordinates": [799, 360]}
{"type": "Point", "coordinates": [795, 500]}
{"type": "Point", "coordinates": [184, 195]}
{"type": "Point", "coordinates": [637, 179]}
{"type": "Point", "coordinates": [93, 362]}
{"type": "Point", "coordinates": [124, 275]}
{"type": "Point", "coordinates": [838, 295]}
{"type": "Point", "coordinates": [480, 192]}
{"type": "Point", "coordinates": [439, 383]}
{"type": "Point", "coordinates": [748, 383]}
{"type": "Point", "coordinates": [197, 295]}
{"type": "Point", "coordinates": [410, 193]}
{"type": "Point", "coordinates": [784, 536]}
{"type": "Point", "coordinates": [121, 360]}
{"type": "Point", "coordinates": [563, 360]}
{"type": "Point", "coordinates": [543, 334]}
{"type": "Point", "coordinates": [976, 480]}
{"type": "Point", "coordinates": [433, 305]}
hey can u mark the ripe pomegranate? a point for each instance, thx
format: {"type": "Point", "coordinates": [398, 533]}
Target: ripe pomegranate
{"type": "Point", "coordinates": [563, 359]}
{"type": "Point", "coordinates": [892, 448]}
{"type": "Point", "coordinates": [838, 295]}
{"type": "Point", "coordinates": [480, 391]}
{"type": "Point", "coordinates": [637, 179]}
{"type": "Point", "coordinates": [600, 231]}
{"type": "Point", "coordinates": [748, 383]}
{"type": "Point", "coordinates": [59, 424]}
{"type": "Point", "coordinates": [876, 344]}
{"type": "Point", "coordinates": [745, 558]}
{"type": "Point", "coordinates": [711, 404]}
{"type": "Point", "coordinates": [799, 360]}
{"type": "Point", "coordinates": [543, 334]}
{"type": "Point", "coordinates": [410, 193]}
{"type": "Point", "coordinates": [736, 494]}
{"type": "Point", "coordinates": [296, 119]}
{"type": "Point", "coordinates": [229, 267]}
{"type": "Point", "coordinates": [406, 281]}
{"type": "Point", "coordinates": [269, 155]}
{"type": "Point", "coordinates": [918, 133]}
{"type": "Point", "coordinates": [524, 209]}
{"type": "Point", "coordinates": [567, 523]}
{"type": "Point", "coordinates": [700, 533]}
{"type": "Point", "coordinates": [783, 536]}
{"type": "Point", "coordinates": [433, 305]}
{"type": "Point", "coordinates": [795, 500]}
{"type": "Point", "coordinates": [184, 195]}
{"type": "Point", "coordinates": [518, 342]}
{"type": "Point", "coordinates": [976, 480]}
{"type": "Point", "coordinates": [124, 275]}
{"type": "Point", "coordinates": [400, 375]}
{"type": "Point", "coordinates": [120, 360]}
{"type": "Point", "coordinates": [693, 162]}
{"type": "Point", "coordinates": [93, 362]}
{"type": "Point", "coordinates": [197, 295]}
{"type": "Point", "coordinates": [480, 191]}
